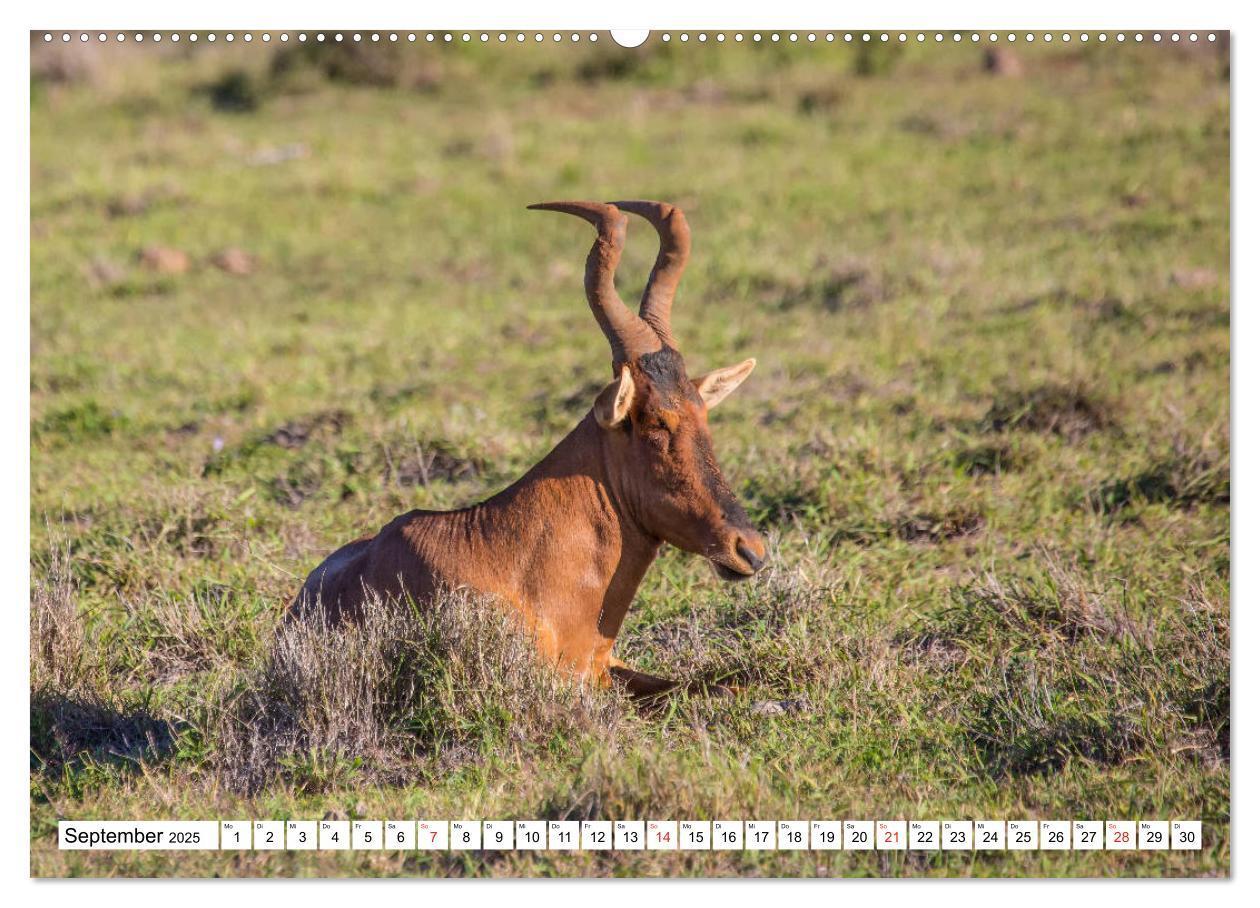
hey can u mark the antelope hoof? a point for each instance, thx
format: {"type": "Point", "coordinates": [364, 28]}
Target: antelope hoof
{"type": "Point", "coordinates": [641, 685]}
{"type": "Point", "coordinates": [716, 687]}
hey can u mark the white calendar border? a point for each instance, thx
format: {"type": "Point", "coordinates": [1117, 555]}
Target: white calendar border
{"type": "Point", "coordinates": [1074, 14]}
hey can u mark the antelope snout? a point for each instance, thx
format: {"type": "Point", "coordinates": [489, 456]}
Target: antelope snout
{"type": "Point", "coordinates": [744, 555]}
{"type": "Point", "coordinates": [751, 549]}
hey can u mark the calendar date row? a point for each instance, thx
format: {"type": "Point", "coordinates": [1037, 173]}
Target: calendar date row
{"type": "Point", "coordinates": [634, 835]}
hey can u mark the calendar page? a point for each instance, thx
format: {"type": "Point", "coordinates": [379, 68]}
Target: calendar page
{"type": "Point", "coordinates": [796, 452]}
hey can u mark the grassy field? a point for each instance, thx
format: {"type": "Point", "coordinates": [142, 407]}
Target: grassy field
{"type": "Point", "coordinates": [279, 297]}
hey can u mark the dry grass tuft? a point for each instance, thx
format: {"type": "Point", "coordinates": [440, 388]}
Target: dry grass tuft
{"type": "Point", "coordinates": [1070, 411]}
{"type": "Point", "coordinates": [405, 688]}
{"type": "Point", "coordinates": [765, 632]}
{"type": "Point", "coordinates": [1056, 605]}
{"type": "Point", "coordinates": [72, 718]}
{"type": "Point", "coordinates": [649, 784]}
{"type": "Point", "coordinates": [175, 636]}
{"type": "Point", "coordinates": [1190, 473]}
{"type": "Point", "coordinates": [57, 633]}
{"type": "Point", "coordinates": [1066, 672]}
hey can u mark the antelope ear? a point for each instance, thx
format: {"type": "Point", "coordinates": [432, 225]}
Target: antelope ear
{"type": "Point", "coordinates": [714, 386]}
{"type": "Point", "coordinates": [613, 403]}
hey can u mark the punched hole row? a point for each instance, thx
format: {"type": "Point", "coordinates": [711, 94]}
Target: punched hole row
{"type": "Point", "coordinates": [592, 37]}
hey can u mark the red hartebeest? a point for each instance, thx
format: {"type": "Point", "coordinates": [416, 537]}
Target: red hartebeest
{"type": "Point", "coordinates": [566, 546]}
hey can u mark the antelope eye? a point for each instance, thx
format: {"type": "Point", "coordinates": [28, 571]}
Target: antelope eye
{"type": "Point", "coordinates": [656, 433]}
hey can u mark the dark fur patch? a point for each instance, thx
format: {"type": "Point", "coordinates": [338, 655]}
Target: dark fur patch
{"type": "Point", "coordinates": [668, 374]}
{"type": "Point", "coordinates": [667, 371]}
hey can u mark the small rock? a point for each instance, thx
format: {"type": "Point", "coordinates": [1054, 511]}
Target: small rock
{"type": "Point", "coordinates": [128, 205]}
{"type": "Point", "coordinates": [1193, 278]}
{"type": "Point", "coordinates": [779, 707]}
{"type": "Point", "coordinates": [707, 91]}
{"type": "Point", "coordinates": [278, 154]}
{"type": "Point", "coordinates": [164, 259]}
{"type": "Point", "coordinates": [234, 261]}
{"type": "Point", "coordinates": [1001, 61]}
{"type": "Point", "coordinates": [103, 272]}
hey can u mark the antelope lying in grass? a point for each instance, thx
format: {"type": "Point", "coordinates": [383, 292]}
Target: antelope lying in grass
{"type": "Point", "coordinates": [567, 545]}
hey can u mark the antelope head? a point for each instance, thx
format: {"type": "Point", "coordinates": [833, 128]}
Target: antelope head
{"type": "Point", "coordinates": [655, 419]}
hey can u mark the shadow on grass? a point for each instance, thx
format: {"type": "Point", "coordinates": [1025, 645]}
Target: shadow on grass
{"type": "Point", "coordinates": [70, 731]}
{"type": "Point", "coordinates": [1070, 411]}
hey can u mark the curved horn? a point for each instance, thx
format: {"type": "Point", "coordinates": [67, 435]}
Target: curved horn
{"type": "Point", "coordinates": [658, 295]}
{"type": "Point", "coordinates": [627, 333]}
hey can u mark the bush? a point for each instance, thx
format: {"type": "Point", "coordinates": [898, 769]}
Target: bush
{"type": "Point", "coordinates": [445, 682]}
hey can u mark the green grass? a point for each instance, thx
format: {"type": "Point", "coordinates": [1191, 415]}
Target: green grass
{"type": "Point", "coordinates": [989, 436]}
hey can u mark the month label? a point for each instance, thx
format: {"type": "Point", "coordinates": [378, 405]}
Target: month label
{"type": "Point", "coordinates": [138, 835]}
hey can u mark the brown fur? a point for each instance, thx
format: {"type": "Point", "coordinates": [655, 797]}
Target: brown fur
{"type": "Point", "coordinates": [566, 546]}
